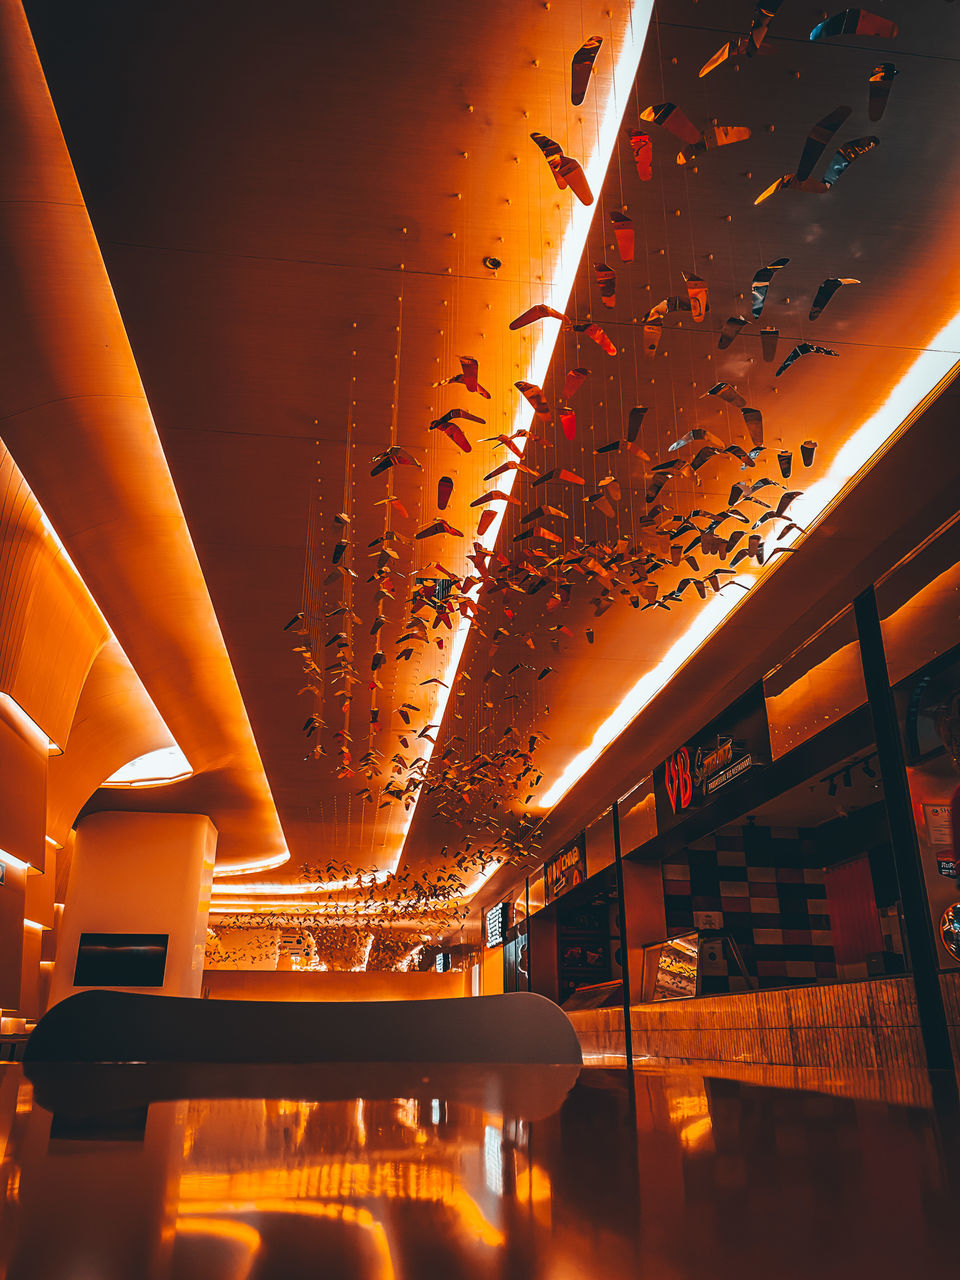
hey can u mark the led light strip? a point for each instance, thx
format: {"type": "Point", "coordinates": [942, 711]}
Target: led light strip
{"type": "Point", "coordinates": [11, 861]}
{"type": "Point", "coordinates": [279, 888]}
{"type": "Point", "coordinates": [28, 726]}
{"type": "Point", "coordinates": [252, 868]}
{"type": "Point", "coordinates": [571, 251]}
{"type": "Point", "coordinates": [363, 906]}
{"type": "Point", "coordinates": [919, 385]}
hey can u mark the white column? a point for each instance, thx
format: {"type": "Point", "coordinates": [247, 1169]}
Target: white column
{"type": "Point", "coordinates": [140, 873]}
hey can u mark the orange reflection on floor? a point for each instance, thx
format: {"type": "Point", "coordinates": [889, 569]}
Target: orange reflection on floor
{"type": "Point", "coordinates": [683, 1175]}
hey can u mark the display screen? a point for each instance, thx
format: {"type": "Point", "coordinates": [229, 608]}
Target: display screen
{"type": "Point", "coordinates": [121, 960]}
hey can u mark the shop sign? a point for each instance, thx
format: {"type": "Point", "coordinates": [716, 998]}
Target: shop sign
{"type": "Point", "coordinates": [565, 870]}
{"type": "Point", "coordinates": [949, 867]}
{"type": "Point", "coordinates": [678, 780]}
{"type": "Point", "coordinates": [725, 750]}
{"type": "Point", "coordinates": [443, 962]}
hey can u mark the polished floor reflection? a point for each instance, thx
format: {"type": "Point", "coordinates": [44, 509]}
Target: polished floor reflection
{"type": "Point", "coordinates": [484, 1174]}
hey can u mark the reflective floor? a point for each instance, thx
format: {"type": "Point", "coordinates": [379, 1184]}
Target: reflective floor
{"type": "Point", "coordinates": [406, 1174]}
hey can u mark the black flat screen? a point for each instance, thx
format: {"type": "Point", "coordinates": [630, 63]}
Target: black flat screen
{"type": "Point", "coordinates": [121, 960]}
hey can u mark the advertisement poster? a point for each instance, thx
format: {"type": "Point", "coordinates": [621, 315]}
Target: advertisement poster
{"type": "Point", "coordinates": [677, 968]}
{"type": "Point", "coordinates": [565, 870]}
{"type": "Point", "coordinates": [939, 824]}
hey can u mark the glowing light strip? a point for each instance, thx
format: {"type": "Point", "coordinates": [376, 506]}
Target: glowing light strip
{"type": "Point", "coordinates": [304, 887]}
{"type": "Point", "coordinates": [251, 868]}
{"type": "Point", "coordinates": [11, 861]}
{"type": "Point", "coordinates": [227, 869]}
{"type": "Point", "coordinates": [240, 1233]}
{"type": "Point", "coordinates": [243, 906]}
{"type": "Point", "coordinates": [34, 924]}
{"type": "Point", "coordinates": [479, 881]}
{"type": "Point", "coordinates": [471, 1216]}
{"type": "Point", "coordinates": [347, 1213]}
{"type": "Point", "coordinates": [571, 251]}
{"type": "Point", "coordinates": [904, 402]}
{"type": "Point", "coordinates": [28, 725]}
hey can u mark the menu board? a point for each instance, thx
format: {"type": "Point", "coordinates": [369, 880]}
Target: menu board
{"type": "Point", "coordinates": [497, 922]}
{"type": "Point", "coordinates": [677, 968]}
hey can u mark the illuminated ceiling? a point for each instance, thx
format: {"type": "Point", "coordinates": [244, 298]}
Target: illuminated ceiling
{"type": "Point", "coordinates": [296, 241]}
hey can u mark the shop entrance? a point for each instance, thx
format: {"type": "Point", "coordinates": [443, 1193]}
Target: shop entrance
{"type": "Point", "coordinates": [575, 945]}
{"type": "Point", "coordinates": [800, 890]}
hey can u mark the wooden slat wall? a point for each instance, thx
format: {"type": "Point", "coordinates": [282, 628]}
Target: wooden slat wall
{"type": "Point", "coordinates": [950, 984]}
{"type": "Point", "coordinates": [857, 1025]}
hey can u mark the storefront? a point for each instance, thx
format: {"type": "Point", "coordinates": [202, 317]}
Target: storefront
{"type": "Point", "coordinates": [769, 852]}
{"type": "Point", "coordinates": [777, 863]}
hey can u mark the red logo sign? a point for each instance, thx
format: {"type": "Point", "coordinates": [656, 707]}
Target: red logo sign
{"type": "Point", "coordinates": [679, 783]}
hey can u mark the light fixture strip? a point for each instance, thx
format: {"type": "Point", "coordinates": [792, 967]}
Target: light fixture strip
{"type": "Point", "coordinates": [570, 253]}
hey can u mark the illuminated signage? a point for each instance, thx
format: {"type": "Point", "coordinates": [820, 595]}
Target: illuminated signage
{"type": "Point", "coordinates": [565, 869]}
{"type": "Point", "coordinates": [678, 780]}
{"type": "Point", "coordinates": [443, 962]}
{"type": "Point", "coordinates": [723, 751]}
{"type": "Point", "coordinates": [496, 923]}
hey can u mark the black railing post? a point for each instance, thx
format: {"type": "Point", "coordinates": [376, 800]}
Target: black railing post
{"type": "Point", "coordinates": [526, 891]}
{"type": "Point", "coordinates": [624, 949]}
{"type": "Point", "coordinates": [903, 835]}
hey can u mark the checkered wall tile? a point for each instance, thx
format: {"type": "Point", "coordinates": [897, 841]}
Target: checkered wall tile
{"type": "Point", "coordinates": [759, 884]}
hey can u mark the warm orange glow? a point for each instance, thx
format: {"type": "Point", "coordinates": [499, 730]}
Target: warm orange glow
{"type": "Point", "coordinates": [11, 861]}
{"type": "Point", "coordinates": [155, 769]}
{"type": "Point", "coordinates": [301, 887]}
{"type": "Point", "coordinates": [237, 1232]}
{"type": "Point", "coordinates": [337, 1180]}
{"type": "Point", "coordinates": [28, 726]}
{"type": "Point", "coordinates": [921, 383]}
{"type": "Point", "coordinates": [558, 280]}
{"type": "Point", "coordinates": [362, 1218]}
